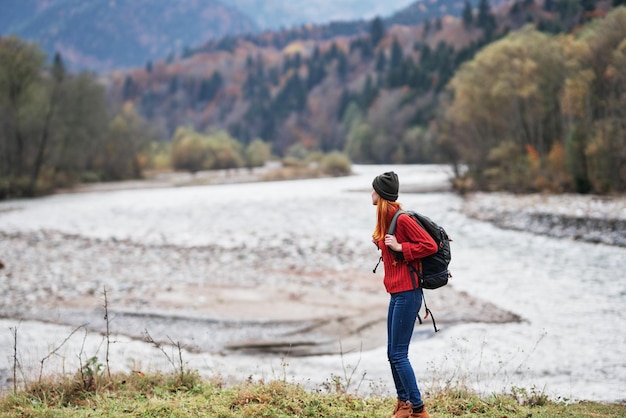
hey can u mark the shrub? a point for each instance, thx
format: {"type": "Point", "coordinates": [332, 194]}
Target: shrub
{"type": "Point", "coordinates": [336, 164]}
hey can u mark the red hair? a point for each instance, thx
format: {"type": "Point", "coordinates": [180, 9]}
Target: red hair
{"type": "Point", "coordinates": [384, 214]}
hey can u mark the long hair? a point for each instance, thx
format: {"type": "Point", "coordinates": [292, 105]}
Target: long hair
{"type": "Point", "coordinates": [384, 214]}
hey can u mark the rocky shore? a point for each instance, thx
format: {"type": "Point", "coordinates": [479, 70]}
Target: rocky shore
{"type": "Point", "coordinates": [166, 290]}
{"type": "Point", "coordinates": [244, 299]}
{"type": "Point", "coordinates": [50, 276]}
{"type": "Point", "coordinates": [596, 219]}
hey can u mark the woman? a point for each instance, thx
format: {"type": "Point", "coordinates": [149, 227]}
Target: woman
{"type": "Point", "coordinates": [405, 301]}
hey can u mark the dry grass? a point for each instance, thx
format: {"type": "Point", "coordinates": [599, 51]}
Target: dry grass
{"type": "Point", "coordinates": [159, 395]}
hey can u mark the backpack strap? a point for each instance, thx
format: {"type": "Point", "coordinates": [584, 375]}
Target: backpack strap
{"type": "Point", "coordinates": [392, 230]}
{"type": "Point", "coordinates": [414, 273]}
{"type": "Point", "coordinates": [394, 221]}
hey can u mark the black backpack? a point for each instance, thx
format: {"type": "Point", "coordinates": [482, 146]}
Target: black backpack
{"type": "Point", "coordinates": [434, 273]}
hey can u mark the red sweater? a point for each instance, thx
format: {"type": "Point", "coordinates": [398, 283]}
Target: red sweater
{"type": "Point", "coordinates": [416, 244]}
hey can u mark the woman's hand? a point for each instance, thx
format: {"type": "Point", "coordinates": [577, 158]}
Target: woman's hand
{"type": "Point", "coordinates": [392, 242]}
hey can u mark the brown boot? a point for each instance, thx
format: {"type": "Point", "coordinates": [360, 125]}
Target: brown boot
{"type": "Point", "coordinates": [423, 414]}
{"type": "Point", "coordinates": [403, 409]}
{"type": "Point", "coordinates": [398, 405]}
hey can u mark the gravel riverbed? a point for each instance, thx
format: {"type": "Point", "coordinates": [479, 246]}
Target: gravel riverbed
{"type": "Point", "coordinates": [243, 302]}
{"type": "Point", "coordinates": [597, 219]}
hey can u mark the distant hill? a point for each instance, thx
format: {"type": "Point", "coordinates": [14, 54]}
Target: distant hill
{"type": "Point", "coordinates": [285, 14]}
{"type": "Point", "coordinates": [103, 35]}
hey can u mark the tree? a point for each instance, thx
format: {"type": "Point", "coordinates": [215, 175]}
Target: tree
{"type": "Point", "coordinates": [599, 134]}
{"type": "Point", "coordinates": [509, 92]}
{"type": "Point", "coordinates": [118, 153]}
{"type": "Point", "coordinates": [359, 145]}
{"type": "Point", "coordinates": [20, 67]}
{"type": "Point", "coordinates": [189, 150]}
{"type": "Point", "coordinates": [396, 54]}
{"type": "Point", "coordinates": [485, 19]}
{"type": "Point", "coordinates": [468, 16]}
{"type": "Point", "coordinates": [381, 61]}
{"type": "Point", "coordinates": [54, 129]}
{"type": "Point", "coordinates": [377, 31]}
{"type": "Point", "coordinates": [84, 117]}
{"type": "Point", "coordinates": [58, 76]}
{"type": "Point", "coordinates": [426, 28]}
{"type": "Point", "coordinates": [369, 93]}
{"type": "Point", "coordinates": [438, 24]}
{"type": "Point", "coordinates": [257, 153]}
{"type": "Point", "coordinates": [343, 66]}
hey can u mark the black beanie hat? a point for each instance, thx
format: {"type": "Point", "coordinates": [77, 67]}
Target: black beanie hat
{"type": "Point", "coordinates": [386, 185]}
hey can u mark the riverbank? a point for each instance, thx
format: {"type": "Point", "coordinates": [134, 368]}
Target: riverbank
{"type": "Point", "coordinates": [595, 219]}
{"type": "Point", "coordinates": [589, 218]}
{"type": "Point", "coordinates": [184, 395]}
{"type": "Point", "coordinates": [249, 277]}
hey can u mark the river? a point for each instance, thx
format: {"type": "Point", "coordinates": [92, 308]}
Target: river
{"type": "Point", "coordinates": [570, 344]}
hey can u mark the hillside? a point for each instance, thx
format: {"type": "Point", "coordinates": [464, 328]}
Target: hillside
{"type": "Point", "coordinates": [482, 89]}
{"type": "Point", "coordinates": [295, 86]}
{"type": "Point", "coordinates": [102, 35]}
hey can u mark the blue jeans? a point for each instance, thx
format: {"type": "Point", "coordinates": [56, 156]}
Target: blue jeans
{"type": "Point", "coordinates": [403, 308]}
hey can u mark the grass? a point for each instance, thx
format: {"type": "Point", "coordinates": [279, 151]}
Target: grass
{"type": "Point", "coordinates": [187, 395]}
{"type": "Point", "coordinates": [93, 391]}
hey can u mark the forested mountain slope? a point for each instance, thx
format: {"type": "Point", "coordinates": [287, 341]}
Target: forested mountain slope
{"type": "Point", "coordinates": [101, 35]}
{"type": "Point", "coordinates": [296, 86]}
{"type": "Point", "coordinates": [526, 96]}
{"type": "Point", "coordinates": [375, 90]}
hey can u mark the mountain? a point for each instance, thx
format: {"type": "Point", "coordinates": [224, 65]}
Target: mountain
{"type": "Point", "coordinates": [285, 14]}
{"type": "Point", "coordinates": [323, 87]}
{"type": "Point", "coordinates": [102, 35]}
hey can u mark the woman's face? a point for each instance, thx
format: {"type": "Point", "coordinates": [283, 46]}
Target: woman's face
{"type": "Point", "coordinates": [375, 197]}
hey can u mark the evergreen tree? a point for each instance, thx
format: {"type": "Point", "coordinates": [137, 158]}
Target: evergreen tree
{"type": "Point", "coordinates": [58, 68]}
{"type": "Point", "coordinates": [210, 87]}
{"type": "Point", "coordinates": [515, 9]}
{"type": "Point", "coordinates": [316, 73]}
{"type": "Point", "coordinates": [425, 57]}
{"type": "Point", "coordinates": [173, 86]}
{"type": "Point", "coordinates": [333, 52]}
{"type": "Point", "coordinates": [381, 61]}
{"type": "Point", "coordinates": [377, 31]}
{"type": "Point", "coordinates": [438, 24]}
{"type": "Point", "coordinates": [396, 54]}
{"type": "Point", "coordinates": [364, 45]}
{"type": "Point", "coordinates": [369, 94]}
{"type": "Point", "coordinates": [426, 28]}
{"type": "Point", "coordinates": [292, 97]}
{"type": "Point", "coordinates": [344, 102]}
{"type": "Point", "coordinates": [248, 87]}
{"type": "Point", "coordinates": [130, 89]}
{"type": "Point", "coordinates": [468, 16]}
{"type": "Point", "coordinates": [588, 5]}
{"type": "Point", "coordinates": [486, 20]}
{"type": "Point", "coordinates": [342, 66]}
{"type": "Point", "coordinates": [484, 10]}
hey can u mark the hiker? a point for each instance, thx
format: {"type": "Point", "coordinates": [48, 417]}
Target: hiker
{"type": "Point", "coordinates": [405, 302]}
